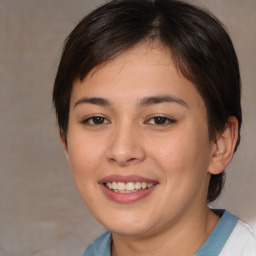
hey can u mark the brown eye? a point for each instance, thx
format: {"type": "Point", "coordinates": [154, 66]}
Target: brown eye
{"type": "Point", "coordinates": [95, 120]}
{"type": "Point", "coordinates": [160, 120]}
{"type": "Point", "coordinates": [98, 120]}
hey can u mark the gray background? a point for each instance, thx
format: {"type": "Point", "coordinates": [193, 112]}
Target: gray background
{"type": "Point", "coordinates": [40, 211]}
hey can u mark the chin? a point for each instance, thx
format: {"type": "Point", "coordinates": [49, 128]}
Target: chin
{"type": "Point", "coordinates": [124, 227]}
{"type": "Point", "coordinates": [129, 231]}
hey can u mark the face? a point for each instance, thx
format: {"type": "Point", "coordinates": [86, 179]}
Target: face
{"type": "Point", "coordinates": [138, 143]}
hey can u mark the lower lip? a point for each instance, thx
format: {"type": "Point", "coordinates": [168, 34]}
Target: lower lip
{"type": "Point", "coordinates": [126, 198]}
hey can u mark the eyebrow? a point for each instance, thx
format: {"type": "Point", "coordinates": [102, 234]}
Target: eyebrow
{"type": "Point", "coordinates": [95, 101]}
{"type": "Point", "coordinates": [162, 99]}
{"type": "Point", "coordinates": [143, 102]}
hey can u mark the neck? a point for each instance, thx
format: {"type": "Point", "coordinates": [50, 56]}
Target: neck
{"type": "Point", "coordinates": [178, 239]}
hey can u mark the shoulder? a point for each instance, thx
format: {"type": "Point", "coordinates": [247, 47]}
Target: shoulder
{"type": "Point", "coordinates": [230, 237]}
{"type": "Point", "coordinates": [100, 246]}
{"type": "Point", "coordinates": [241, 241]}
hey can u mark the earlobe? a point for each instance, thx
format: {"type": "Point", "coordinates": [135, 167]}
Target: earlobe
{"type": "Point", "coordinates": [224, 147]}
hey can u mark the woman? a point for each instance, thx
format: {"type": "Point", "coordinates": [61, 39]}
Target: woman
{"type": "Point", "coordinates": [147, 97]}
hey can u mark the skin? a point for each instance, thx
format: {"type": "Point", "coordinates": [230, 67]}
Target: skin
{"type": "Point", "coordinates": [174, 218]}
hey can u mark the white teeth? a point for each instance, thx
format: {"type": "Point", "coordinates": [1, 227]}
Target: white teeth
{"type": "Point", "coordinates": [109, 185]}
{"type": "Point", "coordinates": [143, 185]}
{"type": "Point", "coordinates": [150, 185]}
{"type": "Point", "coordinates": [128, 187]}
{"type": "Point", "coordinates": [138, 185]}
{"type": "Point", "coordinates": [114, 185]}
{"type": "Point", "coordinates": [121, 186]}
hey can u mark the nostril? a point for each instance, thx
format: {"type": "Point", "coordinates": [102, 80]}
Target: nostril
{"type": "Point", "coordinates": [131, 159]}
{"type": "Point", "coordinates": [123, 161]}
{"type": "Point", "coordinates": [112, 159]}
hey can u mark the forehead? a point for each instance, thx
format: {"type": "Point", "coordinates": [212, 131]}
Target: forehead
{"type": "Point", "coordinates": [143, 71]}
{"type": "Point", "coordinates": [151, 52]}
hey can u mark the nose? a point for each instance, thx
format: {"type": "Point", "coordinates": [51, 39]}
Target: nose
{"type": "Point", "coordinates": [126, 146]}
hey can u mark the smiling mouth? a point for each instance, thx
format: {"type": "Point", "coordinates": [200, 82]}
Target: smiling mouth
{"type": "Point", "coordinates": [128, 187]}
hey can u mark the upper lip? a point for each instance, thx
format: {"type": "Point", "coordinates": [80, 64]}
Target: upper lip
{"type": "Point", "coordinates": [126, 179]}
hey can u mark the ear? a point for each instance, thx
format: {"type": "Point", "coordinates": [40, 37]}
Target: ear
{"type": "Point", "coordinates": [224, 147]}
{"type": "Point", "coordinates": [63, 140]}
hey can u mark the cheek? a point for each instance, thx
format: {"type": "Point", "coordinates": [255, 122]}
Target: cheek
{"type": "Point", "coordinates": [183, 163]}
{"type": "Point", "coordinates": [84, 164]}
{"type": "Point", "coordinates": [84, 157]}
{"type": "Point", "coordinates": [185, 152]}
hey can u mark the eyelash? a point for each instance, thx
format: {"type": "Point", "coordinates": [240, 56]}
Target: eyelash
{"type": "Point", "coordinates": [164, 121]}
{"type": "Point", "coordinates": [158, 120]}
{"type": "Point", "coordinates": [89, 120]}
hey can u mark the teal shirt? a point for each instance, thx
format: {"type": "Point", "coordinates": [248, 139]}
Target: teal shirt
{"type": "Point", "coordinates": [212, 246]}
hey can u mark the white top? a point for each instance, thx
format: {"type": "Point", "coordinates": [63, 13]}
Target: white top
{"type": "Point", "coordinates": [241, 242]}
{"type": "Point", "coordinates": [230, 237]}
